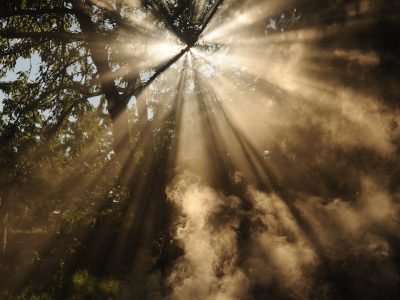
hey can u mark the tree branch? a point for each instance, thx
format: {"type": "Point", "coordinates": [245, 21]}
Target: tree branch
{"type": "Point", "coordinates": [115, 107]}
{"type": "Point", "coordinates": [131, 89]}
{"type": "Point", "coordinates": [67, 36]}
{"type": "Point", "coordinates": [36, 12]}
{"type": "Point", "coordinates": [210, 15]}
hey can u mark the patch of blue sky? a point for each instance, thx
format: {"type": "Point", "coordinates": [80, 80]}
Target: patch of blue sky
{"type": "Point", "coordinates": [95, 101]}
{"type": "Point", "coordinates": [22, 65]}
{"type": "Point", "coordinates": [132, 103]}
{"type": "Point", "coordinates": [272, 24]}
{"type": "Point", "coordinates": [72, 118]}
{"type": "Point", "coordinates": [146, 75]}
{"type": "Point", "coordinates": [2, 97]}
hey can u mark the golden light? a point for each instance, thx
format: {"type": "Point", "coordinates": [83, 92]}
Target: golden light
{"type": "Point", "coordinates": [260, 133]}
{"type": "Point", "coordinates": [244, 18]}
{"type": "Point", "coordinates": [164, 50]}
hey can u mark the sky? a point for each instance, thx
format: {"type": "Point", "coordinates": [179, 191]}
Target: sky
{"type": "Point", "coordinates": [22, 65]}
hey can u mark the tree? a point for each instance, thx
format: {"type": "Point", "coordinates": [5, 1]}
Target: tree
{"type": "Point", "coordinates": [91, 49]}
{"type": "Point", "coordinates": [78, 49]}
{"type": "Point", "coordinates": [282, 109]}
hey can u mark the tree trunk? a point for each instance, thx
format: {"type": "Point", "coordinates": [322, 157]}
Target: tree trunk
{"type": "Point", "coordinates": [115, 104]}
{"type": "Point", "coordinates": [121, 141]}
{"type": "Point", "coordinates": [143, 119]}
{"type": "Point", "coordinates": [4, 233]}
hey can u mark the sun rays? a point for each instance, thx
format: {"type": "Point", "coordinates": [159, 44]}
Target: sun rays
{"type": "Point", "coordinates": [225, 121]}
{"type": "Point", "coordinates": [240, 93]}
{"type": "Point", "coordinates": [260, 165]}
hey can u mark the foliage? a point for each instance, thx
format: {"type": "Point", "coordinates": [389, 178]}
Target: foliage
{"type": "Point", "coordinates": [86, 286]}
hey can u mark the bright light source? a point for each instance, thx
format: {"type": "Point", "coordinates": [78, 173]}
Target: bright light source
{"type": "Point", "coordinates": [164, 50]}
{"type": "Point", "coordinates": [243, 19]}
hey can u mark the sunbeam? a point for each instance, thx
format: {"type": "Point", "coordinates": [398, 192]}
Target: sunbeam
{"type": "Point", "coordinates": [199, 149]}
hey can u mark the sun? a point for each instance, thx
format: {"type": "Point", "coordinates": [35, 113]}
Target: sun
{"type": "Point", "coordinates": [164, 50]}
